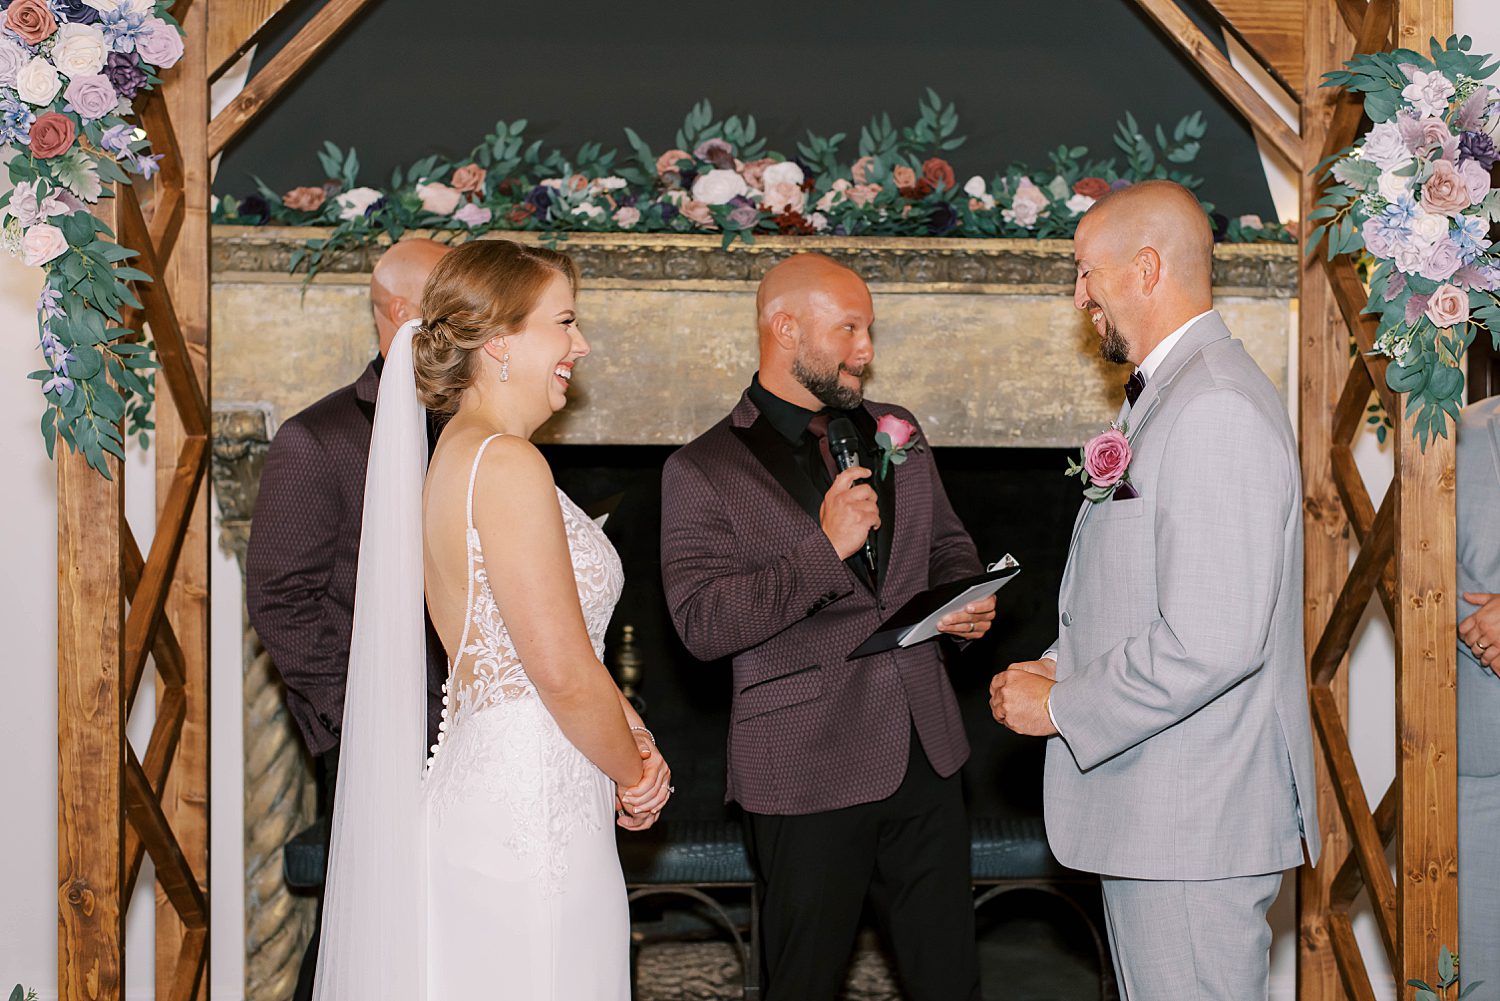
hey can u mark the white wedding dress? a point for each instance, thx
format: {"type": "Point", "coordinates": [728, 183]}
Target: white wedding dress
{"type": "Point", "coordinates": [525, 896]}
{"type": "Point", "coordinates": [487, 872]}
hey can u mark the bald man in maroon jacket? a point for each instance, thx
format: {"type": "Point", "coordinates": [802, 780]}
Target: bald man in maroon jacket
{"type": "Point", "coordinates": [304, 540]}
{"type": "Point", "coordinates": [847, 770]}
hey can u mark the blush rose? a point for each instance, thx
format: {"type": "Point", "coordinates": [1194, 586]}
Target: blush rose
{"type": "Point", "coordinates": [1106, 458]}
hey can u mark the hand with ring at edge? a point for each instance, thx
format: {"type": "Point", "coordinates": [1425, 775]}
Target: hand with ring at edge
{"type": "Point", "coordinates": [971, 622]}
{"type": "Point", "coordinates": [1480, 632]}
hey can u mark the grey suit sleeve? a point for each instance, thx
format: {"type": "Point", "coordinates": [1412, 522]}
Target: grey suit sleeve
{"type": "Point", "coordinates": [1224, 494]}
{"type": "Point", "coordinates": [718, 605]}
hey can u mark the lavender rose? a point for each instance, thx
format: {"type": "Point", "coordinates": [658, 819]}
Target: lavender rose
{"type": "Point", "coordinates": [745, 216]}
{"type": "Point", "coordinates": [1448, 306]}
{"type": "Point", "coordinates": [12, 58]}
{"type": "Point", "coordinates": [159, 44]}
{"type": "Point", "coordinates": [1386, 148]}
{"type": "Point", "coordinates": [472, 215]}
{"type": "Point", "coordinates": [42, 243]}
{"type": "Point", "coordinates": [1445, 191]}
{"type": "Point", "coordinates": [124, 71]}
{"type": "Point", "coordinates": [1106, 458]}
{"type": "Point", "coordinates": [717, 152]}
{"type": "Point", "coordinates": [92, 97]}
{"type": "Point", "coordinates": [1477, 178]}
{"type": "Point", "coordinates": [1442, 262]}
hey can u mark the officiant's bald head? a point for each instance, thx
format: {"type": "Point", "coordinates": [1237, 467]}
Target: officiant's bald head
{"type": "Point", "coordinates": [1145, 266]}
{"type": "Point", "coordinates": [397, 282]}
{"type": "Point", "coordinates": [815, 317]}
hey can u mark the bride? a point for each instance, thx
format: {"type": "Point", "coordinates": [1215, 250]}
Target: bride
{"type": "Point", "coordinates": [491, 873]}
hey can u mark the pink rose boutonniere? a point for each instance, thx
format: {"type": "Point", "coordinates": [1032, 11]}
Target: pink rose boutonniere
{"type": "Point", "coordinates": [895, 438]}
{"type": "Point", "coordinates": [1104, 466]}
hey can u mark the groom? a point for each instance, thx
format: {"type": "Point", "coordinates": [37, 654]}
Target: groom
{"type": "Point", "coordinates": [1181, 764]}
{"type": "Point", "coordinates": [847, 770]}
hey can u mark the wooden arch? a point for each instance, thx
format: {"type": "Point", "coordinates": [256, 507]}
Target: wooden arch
{"type": "Point", "coordinates": [119, 610]}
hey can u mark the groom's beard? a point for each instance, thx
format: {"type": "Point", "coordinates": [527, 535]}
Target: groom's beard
{"type": "Point", "coordinates": [826, 385]}
{"type": "Point", "coordinates": [1112, 346]}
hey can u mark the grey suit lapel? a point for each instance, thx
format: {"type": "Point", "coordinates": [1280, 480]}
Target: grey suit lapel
{"type": "Point", "coordinates": [1197, 337]}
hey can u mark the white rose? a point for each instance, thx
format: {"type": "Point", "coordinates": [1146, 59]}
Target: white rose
{"type": "Point", "coordinates": [1251, 221]}
{"type": "Point", "coordinates": [782, 173]}
{"type": "Point", "coordinates": [1079, 204]}
{"type": "Point", "coordinates": [353, 203]}
{"type": "Point", "coordinates": [81, 50]}
{"type": "Point", "coordinates": [1385, 148]}
{"type": "Point", "coordinates": [1393, 186]}
{"type": "Point", "coordinates": [38, 82]}
{"type": "Point", "coordinates": [819, 222]}
{"type": "Point", "coordinates": [42, 243]}
{"type": "Point", "coordinates": [439, 199]}
{"type": "Point", "coordinates": [717, 187]}
{"type": "Point", "coordinates": [588, 209]}
{"type": "Point", "coordinates": [611, 183]}
{"type": "Point", "coordinates": [974, 187]}
{"type": "Point", "coordinates": [1429, 228]}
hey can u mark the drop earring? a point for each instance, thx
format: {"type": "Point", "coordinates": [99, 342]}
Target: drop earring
{"type": "Point", "coordinates": [504, 361]}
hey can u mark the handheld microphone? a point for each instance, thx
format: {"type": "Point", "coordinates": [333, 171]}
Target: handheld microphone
{"type": "Point", "coordinates": [843, 444]}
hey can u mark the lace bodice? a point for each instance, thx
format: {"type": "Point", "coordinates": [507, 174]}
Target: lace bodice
{"type": "Point", "coordinates": [487, 670]}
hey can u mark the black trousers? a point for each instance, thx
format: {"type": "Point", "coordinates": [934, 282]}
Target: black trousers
{"type": "Point", "coordinates": [325, 773]}
{"type": "Point", "coordinates": [908, 854]}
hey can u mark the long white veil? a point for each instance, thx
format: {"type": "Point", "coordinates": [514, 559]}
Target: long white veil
{"type": "Point", "coordinates": [374, 940]}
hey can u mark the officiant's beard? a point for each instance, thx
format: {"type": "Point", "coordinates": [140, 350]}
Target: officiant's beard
{"type": "Point", "coordinates": [826, 385]}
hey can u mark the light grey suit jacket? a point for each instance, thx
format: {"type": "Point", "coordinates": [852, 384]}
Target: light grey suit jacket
{"type": "Point", "coordinates": [1186, 748]}
{"type": "Point", "coordinates": [1478, 472]}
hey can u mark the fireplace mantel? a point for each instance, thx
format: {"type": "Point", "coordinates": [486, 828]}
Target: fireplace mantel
{"type": "Point", "coordinates": [979, 338]}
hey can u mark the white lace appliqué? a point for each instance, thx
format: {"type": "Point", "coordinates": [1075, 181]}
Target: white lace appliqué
{"type": "Point", "coordinates": [497, 740]}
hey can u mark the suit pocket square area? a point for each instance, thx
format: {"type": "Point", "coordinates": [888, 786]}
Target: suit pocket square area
{"type": "Point", "coordinates": [1124, 492]}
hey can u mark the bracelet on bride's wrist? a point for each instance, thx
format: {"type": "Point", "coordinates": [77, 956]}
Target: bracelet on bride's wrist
{"type": "Point", "coordinates": [649, 735]}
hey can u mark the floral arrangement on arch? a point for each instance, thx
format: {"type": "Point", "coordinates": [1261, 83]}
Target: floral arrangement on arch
{"type": "Point", "coordinates": [69, 72]}
{"type": "Point", "coordinates": [1417, 194]}
{"type": "Point", "coordinates": [720, 177]}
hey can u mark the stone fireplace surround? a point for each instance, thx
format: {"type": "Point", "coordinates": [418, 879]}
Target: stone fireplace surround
{"type": "Point", "coordinates": [978, 338]}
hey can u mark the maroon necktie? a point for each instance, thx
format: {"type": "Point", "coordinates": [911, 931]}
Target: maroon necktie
{"type": "Point", "coordinates": [1135, 386]}
{"type": "Point", "coordinates": [818, 425]}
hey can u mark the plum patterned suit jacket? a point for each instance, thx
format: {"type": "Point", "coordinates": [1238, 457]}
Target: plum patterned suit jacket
{"type": "Point", "coordinates": [749, 574]}
{"type": "Point", "coordinates": [303, 553]}
{"type": "Point", "coordinates": [1186, 750]}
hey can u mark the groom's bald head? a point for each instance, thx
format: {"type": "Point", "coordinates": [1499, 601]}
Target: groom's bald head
{"type": "Point", "coordinates": [1145, 266]}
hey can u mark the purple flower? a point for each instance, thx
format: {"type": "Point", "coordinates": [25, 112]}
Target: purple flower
{"type": "Point", "coordinates": [1118, 183]}
{"type": "Point", "coordinates": [58, 383]}
{"type": "Point", "coordinates": [1478, 146]}
{"type": "Point", "coordinates": [253, 209]}
{"type": "Point", "coordinates": [540, 199]}
{"type": "Point", "coordinates": [1470, 236]}
{"type": "Point", "coordinates": [669, 212]}
{"type": "Point", "coordinates": [48, 304]}
{"type": "Point", "coordinates": [942, 219]}
{"type": "Point", "coordinates": [744, 216]}
{"type": "Point", "coordinates": [74, 12]}
{"type": "Point", "coordinates": [717, 152]}
{"type": "Point", "coordinates": [117, 138]}
{"type": "Point", "coordinates": [124, 71]}
{"type": "Point", "coordinates": [148, 165]}
{"type": "Point", "coordinates": [15, 122]}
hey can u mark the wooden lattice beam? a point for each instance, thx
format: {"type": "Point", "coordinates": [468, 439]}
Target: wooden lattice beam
{"type": "Point", "coordinates": [1263, 118]}
{"type": "Point", "coordinates": [1272, 31]}
{"type": "Point", "coordinates": [235, 27]}
{"type": "Point", "coordinates": [262, 89]}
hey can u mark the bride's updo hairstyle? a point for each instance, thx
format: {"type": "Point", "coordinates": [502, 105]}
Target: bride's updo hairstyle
{"type": "Point", "coordinates": [477, 292]}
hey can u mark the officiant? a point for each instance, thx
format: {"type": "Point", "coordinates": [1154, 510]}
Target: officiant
{"type": "Point", "coordinates": [304, 546]}
{"type": "Point", "coordinates": [847, 770]}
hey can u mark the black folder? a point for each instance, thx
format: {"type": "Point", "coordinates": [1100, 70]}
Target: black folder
{"type": "Point", "coordinates": [916, 621]}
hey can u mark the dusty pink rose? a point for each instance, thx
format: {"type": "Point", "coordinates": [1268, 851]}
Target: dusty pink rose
{"type": "Point", "coordinates": [42, 243]}
{"type": "Point", "coordinates": [1106, 458]}
{"type": "Point", "coordinates": [439, 199]}
{"type": "Point", "coordinates": [667, 162]}
{"type": "Point", "coordinates": [472, 215]}
{"type": "Point", "coordinates": [304, 199]}
{"type": "Point", "coordinates": [469, 179]}
{"type": "Point", "coordinates": [861, 169]}
{"type": "Point", "coordinates": [784, 197]}
{"type": "Point", "coordinates": [904, 177]}
{"type": "Point", "coordinates": [627, 216]}
{"type": "Point", "coordinates": [1445, 191]}
{"type": "Point", "coordinates": [1448, 306]}
{"type": "Point", "coordinates": [899, 431]}
{"type": "Point", "coordinates": [159, 44]}
{"type": "Point", "coordinates": [697, 212]}
{"type": "Point", "coordinates": [31, 19]}
{"type": "Point", "coordinates": [754, 172]}
{"type": "Point", "coordinates": [862, 194]}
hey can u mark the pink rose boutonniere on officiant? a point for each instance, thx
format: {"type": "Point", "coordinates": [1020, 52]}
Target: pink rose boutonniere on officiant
{"type": "Point", "coordinates": [895, 438]}
{"type": "Point", "coordinates": [1104, 466]}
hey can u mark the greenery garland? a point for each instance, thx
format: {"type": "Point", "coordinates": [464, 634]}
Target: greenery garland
{"type": "Point", "coordinates": [70, 72]}
{"type": "Point", "coordinates": [720, 177]}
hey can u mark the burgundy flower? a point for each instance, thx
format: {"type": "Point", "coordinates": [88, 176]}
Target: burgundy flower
{"type": "Point", "coordinates": [52, 134]}
{"type": "Point", "coordinates": [1092, 187]}
{"type": "Point", "coordinates": [938, 174]}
